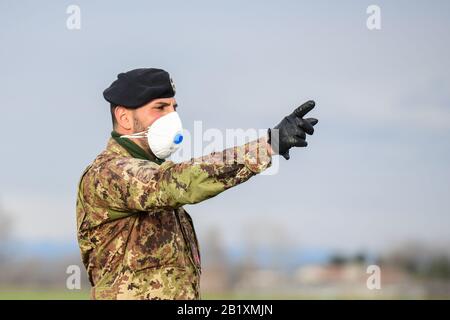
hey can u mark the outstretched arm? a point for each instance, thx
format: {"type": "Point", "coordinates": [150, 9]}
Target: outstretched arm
{"type": "Point", "coordinates": [131, 185]}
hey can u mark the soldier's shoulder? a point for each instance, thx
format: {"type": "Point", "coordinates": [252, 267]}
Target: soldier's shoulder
{"type": "Point", "coordinates": [100, 160]}
{"type": "Point", "coordinates": [110, 163]}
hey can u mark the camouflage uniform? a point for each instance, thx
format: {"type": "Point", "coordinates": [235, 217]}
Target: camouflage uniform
{"type": "Point", "coordinates": [136, 240]}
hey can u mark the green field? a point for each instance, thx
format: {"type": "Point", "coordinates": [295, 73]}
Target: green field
{"type": "Point", "coordinates": [33, 294]}
{"type": "Point", "coordinates": [43, 295]}
{"type": "Point", "coordinates": [58, 294]}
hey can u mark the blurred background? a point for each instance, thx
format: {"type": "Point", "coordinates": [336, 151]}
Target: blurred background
{"type": "Point", "coordinates": [372, 188]}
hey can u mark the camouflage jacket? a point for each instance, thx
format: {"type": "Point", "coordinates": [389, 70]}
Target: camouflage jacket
{"type": "Point", "coordinates": [136, 240]}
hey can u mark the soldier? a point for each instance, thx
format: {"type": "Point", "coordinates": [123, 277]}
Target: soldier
{"type": "Point", "coordinates": [136, 240]}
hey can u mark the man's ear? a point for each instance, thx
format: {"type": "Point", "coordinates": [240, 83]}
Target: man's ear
{"type": "Point", "coordinates": [123, 118]}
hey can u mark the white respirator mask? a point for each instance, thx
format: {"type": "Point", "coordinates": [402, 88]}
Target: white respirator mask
{"type": "Point", "coordinates": [164, 136]}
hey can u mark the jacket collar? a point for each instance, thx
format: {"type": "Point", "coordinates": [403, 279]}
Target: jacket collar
{"type": "Point", "coordinates": [125, 147]}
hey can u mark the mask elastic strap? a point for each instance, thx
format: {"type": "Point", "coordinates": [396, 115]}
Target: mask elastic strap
{"type": "Point", "coordinates": [142, 134]}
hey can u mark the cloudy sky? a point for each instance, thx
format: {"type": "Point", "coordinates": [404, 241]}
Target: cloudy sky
{"type": "Point", "coordinates": [376, 172]}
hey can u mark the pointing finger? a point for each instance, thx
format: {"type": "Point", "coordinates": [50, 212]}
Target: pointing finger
{"type": "Point", "coordinates": [301, 111]}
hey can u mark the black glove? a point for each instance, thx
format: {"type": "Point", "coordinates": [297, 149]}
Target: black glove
{"type": "Point", "coordinates": [292, 130]}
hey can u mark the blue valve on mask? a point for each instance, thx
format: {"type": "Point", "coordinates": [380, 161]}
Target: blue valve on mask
{"type": "Point", "coordinates": [178, 138]}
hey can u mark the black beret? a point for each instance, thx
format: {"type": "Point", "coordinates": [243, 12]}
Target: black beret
{"type": "Point", "coordinates": [137, 87]}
